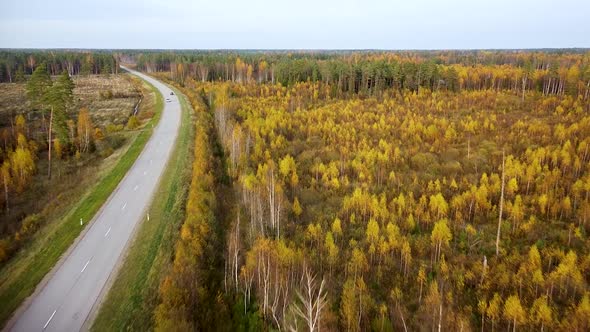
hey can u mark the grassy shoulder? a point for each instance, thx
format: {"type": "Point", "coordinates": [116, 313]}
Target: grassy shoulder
{"type": "Point", "coordinates": [130, 302]}
{"type": "Point", "coordinates": [19, 279]}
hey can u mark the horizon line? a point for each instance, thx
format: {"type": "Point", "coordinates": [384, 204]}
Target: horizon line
{"type": "Point", "coordinates": [580, 48]}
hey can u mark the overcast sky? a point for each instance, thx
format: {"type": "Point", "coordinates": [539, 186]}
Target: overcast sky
{"type": "Point", "coordinates": [295, 24]}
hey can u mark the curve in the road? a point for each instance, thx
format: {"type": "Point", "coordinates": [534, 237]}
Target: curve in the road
{"type": "Point", "coordinates": [65, 301]}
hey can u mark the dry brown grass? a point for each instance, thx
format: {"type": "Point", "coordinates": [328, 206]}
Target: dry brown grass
{"type": "Point", "coordinates": [92, 91]}
{"type": "Point", "coordinates": [125, 92]}
{"type": "Point", "coordinates": [12, 101]}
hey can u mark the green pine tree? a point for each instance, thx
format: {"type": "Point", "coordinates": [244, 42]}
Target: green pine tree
{"type": "Point", "coordinates": [38, 86]}
{"type": "Point", "coordinates": [60, 97]}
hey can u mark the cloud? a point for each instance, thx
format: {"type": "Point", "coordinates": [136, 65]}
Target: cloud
{"type": "Point", "coordinates": [386, 24]}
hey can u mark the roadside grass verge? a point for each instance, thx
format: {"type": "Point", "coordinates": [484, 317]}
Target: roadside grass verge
{"type": "Point", "coordinates": [19, 279]}
{"type": "Point", "coordinates": [130, 302]}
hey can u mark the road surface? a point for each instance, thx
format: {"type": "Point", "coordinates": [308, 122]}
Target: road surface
{"type": "Point", "coordinates": [66, 300]}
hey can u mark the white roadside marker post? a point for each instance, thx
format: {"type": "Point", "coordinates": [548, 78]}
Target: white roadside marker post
{"type": "Point", "coordinates": [80, 221]}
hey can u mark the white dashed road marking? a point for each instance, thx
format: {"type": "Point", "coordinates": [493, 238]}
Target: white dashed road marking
{"type": "Point", "coordinates": [107, 233]}
{"type": "Point", "coordinates": [49, 320]}
{"type": "Point", "coordinates": [85, 265]}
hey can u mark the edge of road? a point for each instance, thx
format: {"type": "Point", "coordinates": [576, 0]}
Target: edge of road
{"type": "Point", "coordinates": [121, 259]}
{"type": "Point", "coordinates": [89, 224]}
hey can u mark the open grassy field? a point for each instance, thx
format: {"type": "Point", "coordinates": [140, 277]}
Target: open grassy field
{"type": "Point", "coordinates": [20, 275]}
{"type": "Point", "coordinates": [107, 96]}
{"type": "Point", "coordinates": [130, 302]}
{"type": "Point", "coordinates": [110, 98]}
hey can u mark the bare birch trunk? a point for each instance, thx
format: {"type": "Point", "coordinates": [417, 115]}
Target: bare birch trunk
{"type": "Point", "coordinates": [501, 208]}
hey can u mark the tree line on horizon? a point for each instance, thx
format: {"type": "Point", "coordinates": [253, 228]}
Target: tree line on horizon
{"type": "Point", "coordinates": [371, 72]}
{"type": "Point", "coordinates": [15, 65]}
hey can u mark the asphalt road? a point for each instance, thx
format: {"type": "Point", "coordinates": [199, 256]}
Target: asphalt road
{"type": "Point", "coordinates": [66, 300]}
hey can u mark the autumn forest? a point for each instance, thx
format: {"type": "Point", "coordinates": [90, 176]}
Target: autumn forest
{"type": "Point", "coordinates": [337, 190]}
{"type": "Point", "coordinates": [382, 191]}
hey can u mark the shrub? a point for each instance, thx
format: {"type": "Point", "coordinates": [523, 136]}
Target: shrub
{"type": "Point", "coordinates": [106, 95]}
{"type": "Point", "coordinates": [116, 141]}
{"type": "Point", "coordinates": [113, 128]}
{"type": "Point", "coordinates": [104, 153]}
{"type": "Point", "coordinates": [132, 123]}
{"type": "Point", "coordinates": [30, 225]}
